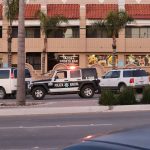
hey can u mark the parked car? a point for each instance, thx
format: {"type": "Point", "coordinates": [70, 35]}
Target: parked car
{"type": "Point", "coordinates": [121, 78]}
{"type": "Point", "coordinates": [133, 139]}
{"type": "Point", "coordinates": [83, 81]}
{"type": "Point", "coordinates": [8, 81]}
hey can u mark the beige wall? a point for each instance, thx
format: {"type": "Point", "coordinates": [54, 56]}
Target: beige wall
{"type": "Point", "coordinates": [137, 1]}
{"type": "Point", "coordinates": [72, 1]}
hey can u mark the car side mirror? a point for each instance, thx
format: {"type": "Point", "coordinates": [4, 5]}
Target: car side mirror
{"type": "Point", "coordinates": [103, 77]}
{"type": "Point", "coordinates": [56, 77]}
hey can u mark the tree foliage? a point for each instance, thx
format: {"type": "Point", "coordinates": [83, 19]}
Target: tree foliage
{"type": "Point", "coordinates": [50, 24]}
{"type": "Point", "coordinates": [114, 22]}
{"type": "Point", "coordinates": [12, 9]}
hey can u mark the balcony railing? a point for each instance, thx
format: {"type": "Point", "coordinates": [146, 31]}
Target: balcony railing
{"type": "Point", "coordinates": [31, 45]}
{"type": "Point", "coordinates": [137, 44]}
{"type": "Point", "coordinates": [66, 45]}
{"type": "Point", "coordinates": [80, 45]}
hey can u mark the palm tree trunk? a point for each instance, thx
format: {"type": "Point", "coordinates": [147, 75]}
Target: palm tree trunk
{"type": "Point", "coordinates": [114, 52]}
{"type": "Point", "coordinates": [21, 56]}
{"type": "Point", "coordinates": [44, 55]}
{"type": "Point", "coordinates": [9, 45]}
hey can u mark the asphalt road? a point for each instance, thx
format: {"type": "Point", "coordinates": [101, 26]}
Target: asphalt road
{"type": "Point", "coordinates": [46, 132]}
{"type": "Point", "coordinates": [66, 97]}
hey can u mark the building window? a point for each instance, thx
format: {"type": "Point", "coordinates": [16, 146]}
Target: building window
{"type": "Point", "coordinates": [30, 32]}
{"type": "Point", "coordinates": [14, 32]}
{"type": "Point", "coordinates": [104, 60]}
{"type": "Point", "coordinates": [148, 32]}
{"type": "Point", "coordinates": [139, 60]}
{"type": "Point", "coordinates": [34, 59]}
{"type": "Point", "coordinates": [1, 62]}
{"type": "Point", "coordinates": [0, 32]}
{"type": "Point", "coordinates": [97, 33]}
{"type": "Point", "coordinates": [137, 32]}
{"type": "Point", "coordinates": [64, 32]}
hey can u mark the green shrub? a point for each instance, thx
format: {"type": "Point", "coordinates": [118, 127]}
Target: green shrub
{"type": "Point", "coordinates": [127, 97]}
{"type": "Point", "coordinates": [107, 98]}
{"type": "Point", "coordinates": [146, 95]}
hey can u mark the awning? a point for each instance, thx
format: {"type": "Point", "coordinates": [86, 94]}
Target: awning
{"type": "Point", "coordinates": [138, 11]}
{"type": "Point", "coordinates": [70, 11]}
{"type": "Point", "coordinates": [99, 11]}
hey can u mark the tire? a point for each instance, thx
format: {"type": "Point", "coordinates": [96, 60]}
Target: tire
{"type": "Point", "coordinates": [13, 96]}
{"type": "Point", "coordinates": [87, 91]}
{"type": "Point", "coordinates": [2, 93]}
{"type": "Point", "coordinates": [38, 93]}
{"type": "Point", "coordinates": [80, 95]}
{"type": "Point", "coordinates": [122, 87]}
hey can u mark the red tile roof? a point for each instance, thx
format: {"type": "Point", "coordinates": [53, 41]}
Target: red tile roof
{"type": "Point", "coordinates": [70, 11]}
{"type": "Point", "coordinates": [31, 10]}
{"type": "Point", "coordinates": [1, 8]}
{"type": "Point", "coordinates": [138, 11]}
{"type": "Point", "coordinates": [99, 11]}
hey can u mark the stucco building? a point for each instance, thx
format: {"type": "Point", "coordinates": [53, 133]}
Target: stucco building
{"type": "Point", "coordinates": [72, 42]}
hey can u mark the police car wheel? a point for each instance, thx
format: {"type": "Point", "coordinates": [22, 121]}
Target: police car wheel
{"type": "Point", "coordinates": [2, 93]}
{"type": "Point", "coordinates": [38, 93]}
{"type": "Point", "coordinates": [80, 95]}
{"type": "Point", "coordinates": [87, 91]}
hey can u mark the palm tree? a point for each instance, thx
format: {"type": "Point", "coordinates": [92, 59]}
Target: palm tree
{"type": "Point", "coordinates": [11, 12]}
{"type": "Point", "coordinates": [48, 26]}
{"type": "Point", "coordinates": [21, 56]}
{"type": "Point", "coordinates": [114, 22]}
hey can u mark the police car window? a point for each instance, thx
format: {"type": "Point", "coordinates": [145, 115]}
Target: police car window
{"type": "Point", "coordinates": [4, 74]}
{"type": "Point", "coordinates": [61, 75]}
{"type": "Point", "coordinates": [75, 74]}
{"type": "Point", "coordinates": [89, 73]}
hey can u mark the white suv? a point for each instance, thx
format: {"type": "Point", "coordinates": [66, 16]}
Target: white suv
{"type": "Point", "coordinates": [8, 81]}
{"type": "Point", "coordinates": [119, 79]}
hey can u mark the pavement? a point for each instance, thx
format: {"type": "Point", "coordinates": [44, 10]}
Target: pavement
{"type": "Point", "coordinates": [9, 108]}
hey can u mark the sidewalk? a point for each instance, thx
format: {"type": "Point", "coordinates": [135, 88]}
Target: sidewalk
{"type": "Point", "coordinates": [66, 107]}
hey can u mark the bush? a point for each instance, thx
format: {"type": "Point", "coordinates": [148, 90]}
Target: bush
{"type": "Point", "coordinates": [127, 97]}
{"type": "Point", "coordinates": [146, 95]}
{"type": "Point", "coordinates": [107, 98]}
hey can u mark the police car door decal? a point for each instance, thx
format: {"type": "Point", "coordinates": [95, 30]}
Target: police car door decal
{"type": "Point", "coordinates": [64, 87]}
{"type": "Point", "coordinates": [62, 83]}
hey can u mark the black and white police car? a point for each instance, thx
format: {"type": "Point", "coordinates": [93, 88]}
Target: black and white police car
{"type": "Point", "coordinates": [83, 81]}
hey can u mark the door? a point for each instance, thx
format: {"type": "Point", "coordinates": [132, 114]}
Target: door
{"type": "Point", "coordinates": [60, 82]}
{"type": "Point", "coordinates": [5, 80]}
{"type": "Point", "coordinates": [114, 80]}
{"type": "Point", "coordinates": [105, 80]}
{"type": "Point", "coordinates": [110, 80]}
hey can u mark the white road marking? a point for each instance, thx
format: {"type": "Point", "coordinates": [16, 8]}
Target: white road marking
{"type": "Point", "coordinates": [56, 126]}
{"type": "Point", "coordinates": [36, 147]}
{"type": "Point", "coordinates": [53, 148]}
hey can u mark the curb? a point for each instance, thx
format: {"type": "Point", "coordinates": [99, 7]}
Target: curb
{"type": "Point", "coordinates": [70, 110]}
